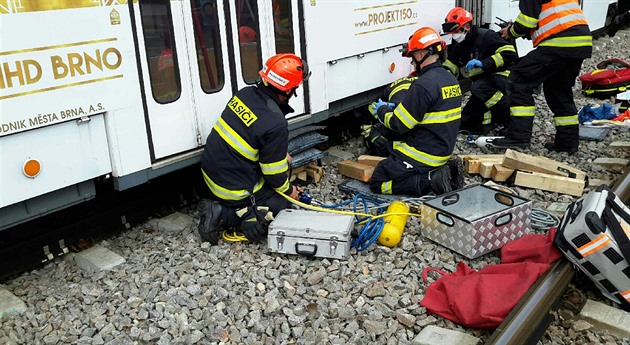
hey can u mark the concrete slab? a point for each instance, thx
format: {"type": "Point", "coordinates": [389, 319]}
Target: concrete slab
{"type": "Point", "coordinates": [336, 155]}
{"type": "Point", "coordinates": [10, 304]}
{"type": "Point", "coordinates": [433, 335]}
{"type": "Point", "coordinates": [97, 259]}
{"type": "Point", "coordinates": [174, 222]}
{"type": "Point", "coordinates": [600, 315]}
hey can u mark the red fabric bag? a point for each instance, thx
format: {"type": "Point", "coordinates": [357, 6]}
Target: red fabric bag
{"type": "Point", "coordinates": [482, 299]}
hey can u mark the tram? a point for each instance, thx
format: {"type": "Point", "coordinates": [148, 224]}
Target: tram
{"type": "Point", "coordinates": [128, 90]}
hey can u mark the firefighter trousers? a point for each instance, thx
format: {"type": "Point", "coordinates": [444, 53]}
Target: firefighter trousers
{"type": "Point", "coordinates": [395, 176]}
{"type": "Point", "coordinates": [487, 105]}
{"type": "Point", "coordinates": [266, 196]}
{"type": "Point", "coordinates": [557, 75]}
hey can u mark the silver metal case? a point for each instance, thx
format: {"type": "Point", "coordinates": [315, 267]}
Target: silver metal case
{"type": "Point", "coordinates": [475, 220]}
{"type": "Point", "coordinates": [311, 233]}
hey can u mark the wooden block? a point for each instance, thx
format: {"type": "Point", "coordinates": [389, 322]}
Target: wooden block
{"type": "Point", "coordinates": [521, 161]}
{"type": "Point", "coordinates": [611, 162]}
{"type": "Point", "coordinates": [355, 170]}
{"type": "Point", "coordinates": [552, 183]}
{"type": "Point", "coordinates": [370, 160]}
{"type": "Point", "coordinates": [486, 169]}
{"type": "Point", "coordinates": [500, 173]}
{"type": "Point", "coordinates": [472, 163]}
{"type": "Point", "coordinates": [316, 173]}
{"type": "Point", "coordinates": [481, 157]}
{"type": "Point", "coordinates": [620, 145]}
{"type": "Point", "coordinates": [295, 172]}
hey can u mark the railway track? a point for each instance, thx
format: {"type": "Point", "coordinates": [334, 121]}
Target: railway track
{"type": "Point", "coordinates": [529, 319]}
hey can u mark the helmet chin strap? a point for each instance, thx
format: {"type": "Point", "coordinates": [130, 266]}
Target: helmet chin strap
{"type": "Point", "coordinates": [418, 63]}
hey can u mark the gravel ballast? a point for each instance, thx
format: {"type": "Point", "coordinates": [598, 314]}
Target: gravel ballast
{"type": "Point", "coordinates": [172, 289]}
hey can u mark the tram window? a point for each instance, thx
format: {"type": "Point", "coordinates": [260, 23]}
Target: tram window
{"type": "Point", "coordinates": [208, 43]}
{"type": "Point", "coordinates": [283, 26]}
{"type": "Point", "coordinates": [160, 48]}
{"type": "Point", "coordinates": [249, 39]}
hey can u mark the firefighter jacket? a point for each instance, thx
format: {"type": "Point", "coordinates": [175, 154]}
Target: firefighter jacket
{"type": "Point", "coordinates": [428, 118]}
{"type": "Point", "coordinates": [247, 147]}
{"type": "Point", "coordinates": [558, 24]}
{"type": "Point", "coordinates": [496, 54]}
{"type": "Point", "coordinates": [396, 91]}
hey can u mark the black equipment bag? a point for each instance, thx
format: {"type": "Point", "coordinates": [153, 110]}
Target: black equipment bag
{"type": "Point", "coordinates": [593, 235]}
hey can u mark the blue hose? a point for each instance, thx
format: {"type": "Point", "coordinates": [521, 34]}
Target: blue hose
{"type": "Point", "coordinates": [372, 227]}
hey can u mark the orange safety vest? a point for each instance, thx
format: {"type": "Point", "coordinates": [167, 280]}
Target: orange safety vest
{"type": "Point", "coordinates": [557, 16]}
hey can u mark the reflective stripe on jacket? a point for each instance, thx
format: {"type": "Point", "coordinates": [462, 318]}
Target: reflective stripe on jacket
{"type": "Point", "coordinates": [397, 90]}
{"type": "Point", "coordinates": [557, 16]}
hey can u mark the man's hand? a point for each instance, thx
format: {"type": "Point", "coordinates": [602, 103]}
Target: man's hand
{"type": "Point", "coordinates": [289, 158]}
{"type": "Point", "coordinates": [505, 32]}
{"type": "Point", "coordinates": [373, 108]}
{"type": "Point", "coordinates": [474, 63]}
{"type": "Point", "coordinates": [296, 192]}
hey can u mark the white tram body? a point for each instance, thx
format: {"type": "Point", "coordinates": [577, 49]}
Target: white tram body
{"type": "Point", "coordinates": [129, 90]}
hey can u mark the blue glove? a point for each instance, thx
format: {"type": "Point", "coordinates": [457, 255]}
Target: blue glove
{"type": "Point", "coordinates": [373, 108]}
{"type": "Point", "coordinates": [473, 63]}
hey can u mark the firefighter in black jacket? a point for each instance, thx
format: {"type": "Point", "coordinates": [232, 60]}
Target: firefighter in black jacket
{"type": "Point", "coordinates": [245, 160]}
{"type": "Point", "coordinates": [428, 118]}
{"type": "Point", "coordinates": [487, 58]}
{"type": "Point", "coordinates": [560, 33]}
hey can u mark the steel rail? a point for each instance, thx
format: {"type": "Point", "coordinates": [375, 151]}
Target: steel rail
{"type": "Point", "coordinates": [529, 319]}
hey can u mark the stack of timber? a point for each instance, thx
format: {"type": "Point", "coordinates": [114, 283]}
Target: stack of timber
{"type": "Point", "coordinates": [362, 169]}
{"type": "Point", "coordinates": [308, 173]}
{"type": "Point", "coordinates": [528, 171]}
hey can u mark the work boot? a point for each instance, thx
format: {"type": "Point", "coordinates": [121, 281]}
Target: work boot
{"type": "Point", "coordinates": [456, 168]}
{"type": "Point", "coordinates": [440, 180]}
{"type": "Point", "coordinates": [551, 146]}
{"type": "Point", "coordinates": [209, 222]}
{"type": "Point", "coordinates": [507, 143]}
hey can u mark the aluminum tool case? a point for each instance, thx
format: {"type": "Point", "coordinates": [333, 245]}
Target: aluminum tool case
{"type": "Point", "coordinates": [475, 220]}
{"type": "Point", "coordinates": [311, 233]}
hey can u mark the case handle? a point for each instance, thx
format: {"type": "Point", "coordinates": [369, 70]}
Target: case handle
{"type": "Point", "coordinates": [502, 220]}
{"type": "Point", "coordinates": [450, 199]}
{"type": "Point", "coordinates": [504, 199]}
{"type": "Point", "coordinates": [307, 253]}
{"type": "Point", "coordinates": [445, 219]}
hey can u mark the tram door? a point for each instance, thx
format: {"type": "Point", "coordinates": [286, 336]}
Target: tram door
{"type": "Point", "coordinates": [185, 69]}
{"type": "Point", "coordinates": [265, 28]}
{"type": "Point", "coordinates": [192, 65]}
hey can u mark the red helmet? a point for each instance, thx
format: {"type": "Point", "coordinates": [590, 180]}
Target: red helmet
{"type": "Point", "coordinates": [285, 71]}
{"type": "Point", "coordinates": [246, 34]}
{"type": "Point", "coordinates": [455, 19]}
{"type": "Point", "coordinates": [424, 38]}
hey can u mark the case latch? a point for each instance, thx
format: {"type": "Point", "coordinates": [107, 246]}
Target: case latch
{"type": "Point", "coordinates": [333, 245]}
{"type": "Point", "coordinates": [280, 239]}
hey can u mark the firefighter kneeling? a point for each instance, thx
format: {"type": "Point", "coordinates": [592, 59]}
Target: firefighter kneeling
{"type": "Point", "coordinates": [428, 118]}
{"type": "Point", "coordinates": [245, 160]}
